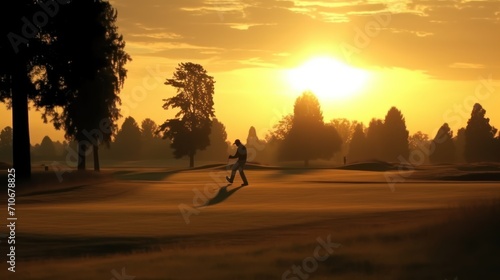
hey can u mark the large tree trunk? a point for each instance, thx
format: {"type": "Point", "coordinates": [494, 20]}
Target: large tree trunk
{"type": "Point", "coordinates": [191, 160]}
{"type": "Point", "coordinates": [82, 153]}
{"type": "Point", "coordinates": [97, 167]}
{"type": "Point", "coordinates": [20, 132]}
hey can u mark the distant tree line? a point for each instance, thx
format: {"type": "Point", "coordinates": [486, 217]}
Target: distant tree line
{"type": "Point", "coordinates": [301, 136]}
{"type": "Point", "coordinates": [383, 140]}
{"type": "Point", "coordinates": [131, 143]}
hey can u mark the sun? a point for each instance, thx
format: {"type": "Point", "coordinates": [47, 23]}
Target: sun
{"type": "Point", "coordinates": [328, 78]}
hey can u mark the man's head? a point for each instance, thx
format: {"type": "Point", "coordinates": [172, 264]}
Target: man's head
{"type": "Point", "coordinates": [237, 142]}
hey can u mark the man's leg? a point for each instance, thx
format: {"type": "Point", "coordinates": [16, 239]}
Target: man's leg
{"type": "Point", "coordinates": [233, 172]}
{"type": "Point", "coordinates": [242, 174]}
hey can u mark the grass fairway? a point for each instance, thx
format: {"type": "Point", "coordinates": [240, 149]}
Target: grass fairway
{"type": "Point", "coordinates": [165, 224]}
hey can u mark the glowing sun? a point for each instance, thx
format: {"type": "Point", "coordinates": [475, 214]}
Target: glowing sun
{"type": "Point", "coordinates": [328, 78]}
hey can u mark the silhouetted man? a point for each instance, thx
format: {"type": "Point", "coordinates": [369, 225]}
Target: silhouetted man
{"type": "Point", "coordinates": [241, 155]}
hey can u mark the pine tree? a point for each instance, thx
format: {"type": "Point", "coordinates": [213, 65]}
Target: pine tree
{"type": "Point", "coordinates": [479, 137]}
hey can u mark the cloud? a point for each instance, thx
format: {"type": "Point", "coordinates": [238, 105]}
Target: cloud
{"type": "Point", "coordinates": [435, 37]}
{"type": "Point", "coordinates": [466, 65]}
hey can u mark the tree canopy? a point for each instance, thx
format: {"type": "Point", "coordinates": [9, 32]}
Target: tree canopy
{"type": "Point", "coordinates": [375, 139]}
{"type": "Point", "coordinates": [93, 70]}
{"type": "Point", "coordinates": [60, 55]}
{"type": "Point", "coordinates": [6, 143]}
{"type": "Point", "coordinates": [190, 129]}
{"type": "Point", "coordinates": [444, 147]}
{"type": "Point", "coordinates": [128, 144]}
{"type": "Point", "coordinates": [23, 54]}
{"type": "Point", "coordinates": [357, 145]}
{"type": "Point", "coordinates": [218, 148]}
{"type": "Point", "coordinates": [395, 139]}
{"type": "Point", "coordinates": [309, 138]}
{"type": "Point", "coordinates": [479, 136]}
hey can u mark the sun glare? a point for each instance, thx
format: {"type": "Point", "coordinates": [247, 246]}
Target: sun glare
{"type": "Point", "coordinates": [328, 78]}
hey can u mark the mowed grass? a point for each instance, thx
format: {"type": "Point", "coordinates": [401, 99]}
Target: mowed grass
{"type": "Point", "coordinates": [85, 229]}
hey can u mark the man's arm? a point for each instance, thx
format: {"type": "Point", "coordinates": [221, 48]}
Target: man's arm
{"type": "Point", "coordinates": [238, 153]}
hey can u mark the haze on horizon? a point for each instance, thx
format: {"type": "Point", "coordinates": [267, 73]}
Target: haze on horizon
{"type": "Point", "coordinates": [431, 59]}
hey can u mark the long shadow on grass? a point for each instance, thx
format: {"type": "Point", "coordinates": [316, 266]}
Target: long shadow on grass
{"type": "Point", "coordinates": [128, 175]}
{"type": "Point", "coordinates": [144, 176]}
{"type": "Point", "coordinates": [221, 195]}
{"type": "Point", "coordinates": [56, 247]}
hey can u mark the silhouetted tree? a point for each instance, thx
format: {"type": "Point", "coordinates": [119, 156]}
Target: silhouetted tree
{"type": "Point", "coordinates": [459, 142]}
{"type": "Point", "coordinates": [127, 144]}
{"type": "Point", "coordinates": [91, 60]}
{"type": "Point", "coordinates": [345, 128]}
{"type": "Point", "coordinates": [330, 142]}
{"type": "Point", "coordinates": [21, 55]}
{"type": "Point", "coordinates": [375, 139]}
{"type": "Point", "coordinates": [60, 149]}
{"type": "Point", "coordinates": [46, 150]}
{"type": "Point", "coordinates": [218, 148]}
{"type": "Point", "coordinates": [418, 140]}
{"type": "Point", "coordinates": [148, 138]}
{"type": "Point", "coordinates": [479, 136]}
{"type": "Point", "coordinates": [252, 138]}
{"type": "Point", "coordinates": [148, 130]}
{"type": "Point", "coordinates": [309, 138]}
{"type": "Point", "coordinates": [6, 143]}
{"type": "Point", "coordinates": [444, 147]}
{"type": "Point", "coordinates": [497, 147]}
{"type": "Point", "coordinates": [281, 129]}
{"type": "Point", "coordinates": [420, 143]}
{"type": "Point", "coordinates": [254, 146]}
{"type": "Point", "coordinates": [358, 145]}
{"type": "Point", "coordinates": [395, 143]}
{"type": "Point", "coordinates": [190, 129]}
{"type": "Point", "coordinates": [153, 147]}
{"type": "Point", "coordinates": [275, 138]}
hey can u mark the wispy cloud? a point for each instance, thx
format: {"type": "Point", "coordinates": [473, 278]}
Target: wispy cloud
{"type": "Point", "coordinates": [425, 35]}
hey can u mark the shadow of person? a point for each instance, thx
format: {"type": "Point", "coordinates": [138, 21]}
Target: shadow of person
{"type": "Point", "coordinates": [222, 195]}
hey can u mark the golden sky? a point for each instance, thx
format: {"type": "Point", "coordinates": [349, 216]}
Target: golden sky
{"type": "Point", "coordinates": [431, 59]}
